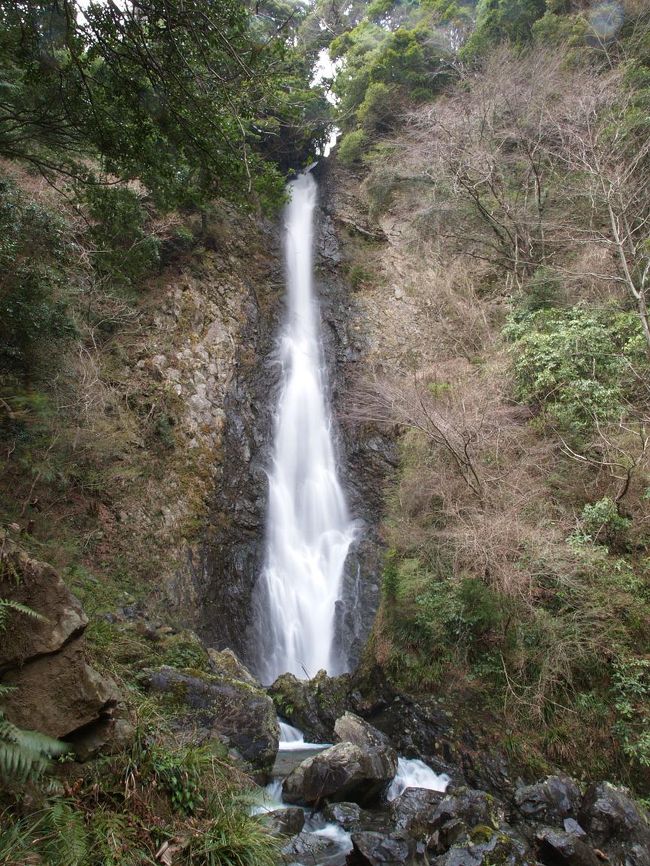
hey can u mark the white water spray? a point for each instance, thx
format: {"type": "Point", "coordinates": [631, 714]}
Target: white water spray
{"type": "Point", "coordinates": [309, 529]}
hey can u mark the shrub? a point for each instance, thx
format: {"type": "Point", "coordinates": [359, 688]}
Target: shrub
{"type": "Point", "coordinates": [603, 522]}
{"type": "Point", "coordinates": [125, 251]}
{"type": "Point", "coordinates": [34, 317]}
{"type": "Point", "coordinates": [575, 363]}
{"type": "Point", "coordinates": [350, 149]}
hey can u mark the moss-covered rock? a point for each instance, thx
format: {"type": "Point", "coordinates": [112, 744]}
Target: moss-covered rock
{"type": "Point", "coordinates": [215, 706]}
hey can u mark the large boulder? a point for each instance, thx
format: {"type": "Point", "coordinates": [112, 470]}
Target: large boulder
{"type": "Point", "coordinates": [58, 694]}
{"type": "Point", "coordinates": [55, 691]}
{"type": "Point", "coordinates": [346, 815]}
{"type": "Point", "coordinates": [414, 809]}
{"type": "Point", "coordinates": [549, 801]}
{"type": "Point", "coordinates": [569, 849]}
{"type": "Point", "coordinates": [312, 705]}
{"type": "Point", "coordinates": [379, 849]}
{"type": "Point", "coordinates": [615, 823]}
{"type": "Point", "coordinates": [345, 771]}
{"type": "Point", "coordinates": [487, 849]}
{"type": "Point", "coordinates": [223, 706]}
{"type": "Point", "coordinates": [352, 729]}
{"type": "Point", "coordinates": [36, 585]}
{"type": "Point", "coordinates": [312, 848]}
{"type": "Point", "coordinates": [285, 822]}
{"type": "Point", "coordinates": [441, 821]}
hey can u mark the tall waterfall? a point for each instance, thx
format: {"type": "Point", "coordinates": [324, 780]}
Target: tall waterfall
{"type": "Point", "coordinates": [309, 529]}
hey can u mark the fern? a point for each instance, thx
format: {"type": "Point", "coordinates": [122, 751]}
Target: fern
{"type": "Point", "coordinates": [24, 755]}
{"type": "Point", "coordinates": [55, 835]}
{"type": "Point", "coordinates": [7, 605]}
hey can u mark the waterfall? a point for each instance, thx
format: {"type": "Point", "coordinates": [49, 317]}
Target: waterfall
{"type": "Point", "coordinates": [309, 529]}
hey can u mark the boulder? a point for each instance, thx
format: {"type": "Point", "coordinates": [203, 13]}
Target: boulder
{"type": "Point", "coordinates": [559, 847]}
{"type": "Point", "coordinates": [499, 848]}
{"type": "Point", "coordinates": [223, 706]}
{"type": "Point", "coordinates": [550, 801]}
{"type": "Point", "coordinates": [352, 729]}
{"type": "Point", "coordinates": [378, 849]}
{"type": "Point", "coordinates": [455, 818]}
{"type": "Point", "coordinates": [414, 809]}
{"type": "Point", "coordinates": [37, 586]}
{"type": "Point", "coordinates": [285, 822]}
{"type": "Point", "coordinates": [343, 772]}
{"type": "Point", "coordinates": [615, 823]}
{"type": "Point", "coordinates": [312, 848]}
{"type": "Point", "coordinates": [346, 815]}
{"type": "Point", "coordinates": [312, 705]}
{"type": "Point", "coordinates": [59, 693]}
{"type": "Point", "coordinates": [226, 664]}
{"type": "Point", "coordinates": [55, 691]}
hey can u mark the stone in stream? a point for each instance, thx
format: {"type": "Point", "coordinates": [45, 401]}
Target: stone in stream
{"type": "Point", "coordinates": [414, 808]}
{"type": "Point", "coordinates": [345, 771]}
{"type": "Point", "coordinates": [285, 822]}
{"type": "Point", "coordinates": [346, 815]}
{"type": "Point", "coordinates": [312, 848]}
{"type": "Point", "coordinates": [352, 729]}
{"type": "Point", "coordinates": [378, 849]}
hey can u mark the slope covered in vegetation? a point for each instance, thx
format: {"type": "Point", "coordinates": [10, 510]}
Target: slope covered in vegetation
{"type": "Point", "coordinates": [505, 185]}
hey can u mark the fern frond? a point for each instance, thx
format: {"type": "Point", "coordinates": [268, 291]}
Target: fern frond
{"type": "Point", "coordinates": [8, 604]}
{"type": "Point", "coordinates": [24, 755]}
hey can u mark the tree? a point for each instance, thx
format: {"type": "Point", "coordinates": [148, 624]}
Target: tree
{"type": "Point", "coordinates": [166, 91]}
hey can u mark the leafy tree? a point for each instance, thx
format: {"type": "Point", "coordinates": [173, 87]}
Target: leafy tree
{"type": "Point", "coordinates": [162, 90]}
{"type": "Point", "coordinates": [502, 21]}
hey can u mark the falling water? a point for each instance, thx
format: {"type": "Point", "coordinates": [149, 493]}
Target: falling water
{"type": "Point", "coordinates": [309, 529]}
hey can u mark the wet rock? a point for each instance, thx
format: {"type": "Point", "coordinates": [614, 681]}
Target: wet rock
{"type": "Point", "coordinates": [311, 848]}
{"type": "Point", "coordinates": [414, 809]}
{"type": "Point", "coordinates": [38, 586]}
{"type": "Point", "coordinates": [342, 772]}
{"type": "Point", "coordinates": [559, 848]}
{"type": "Point", "coordinates": [352, 729]}
{"type": "Point", "coordinates": [312, 705]}
{"type": "Point", "coordinates": [223, 706]}
{"type": "Point", "coordinates": [285, 822]}
{"type": "Point", "coordinates": [550, 801]}
{"type": "Point", "coordinates": [614, 823]}
{"type": "Point", "coordinates": [346, 815]}
{"type": "Point", "coordinates": [378, 849]}
{"type": "Point", "coordinates": [498, 848]}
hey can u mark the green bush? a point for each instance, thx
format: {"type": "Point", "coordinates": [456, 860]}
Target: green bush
{"type": "Point", "coordinates": [575, 364]}
{"type": "Point", "coordinates": [603, 523]}
{"type": "Point", "coordinates": [34, 318]}
{"type": "Point", "coordinates": [350, 150]}
{"type": "Point", "coordinates": [125, 251]}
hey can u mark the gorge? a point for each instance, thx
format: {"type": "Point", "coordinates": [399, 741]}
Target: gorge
{"type": "Point", "coordinates": [324, 519]}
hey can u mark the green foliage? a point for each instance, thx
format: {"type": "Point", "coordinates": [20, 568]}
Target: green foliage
{"type": "Point", "coordinates": [123, 250]}
{"type": "Point", "coordinates": [575, 363]}
{"type": "Point", "coordinates": [384, 70]}
{"type": "Point", "coordinates": [502, 20]}
{"type": "Point", "coordinates": [34, 317]}
{"type": "Point", "coordinates": [24, 755]}
{"type": "Point", "coordinates": [56, 833]}
{"type": "Point", "coordinates": [632, 701]}
{"type": "Point", "coordinates": [603, 523]}
{"type": "Point", "coordinates": [350, 150]}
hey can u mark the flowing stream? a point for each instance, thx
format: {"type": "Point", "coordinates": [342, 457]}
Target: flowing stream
{"type": "Point", "coordinates": [309, 530]}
